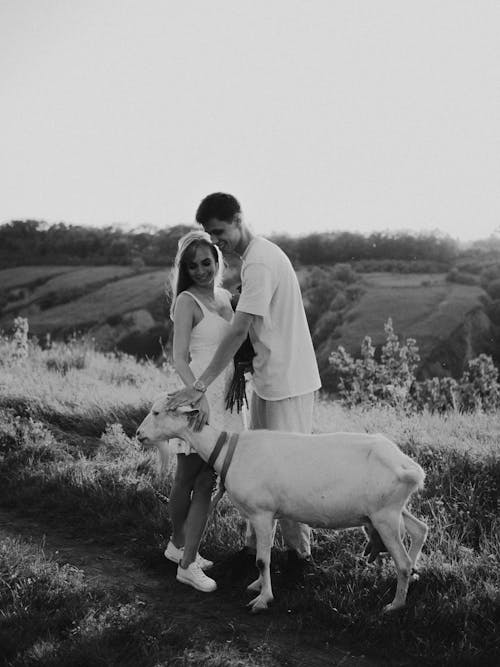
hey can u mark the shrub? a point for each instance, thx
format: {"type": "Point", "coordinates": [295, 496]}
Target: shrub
{"type": "Point", "coordinates": [490, 274]}
{"type": "Point", "coordinates": [436, 394]}
{"type": "Point", "coordinates": [479, 388]}
{"type": "Point", "coordinates": [461, 278]}
{"type": "Point", "coordinates": [365, 380]}
{"type": "Point", "coordinates": [15, 349]}
{"type": "Point", "coordinates": [391, 381]}
{"type": "Point", "coordinates": [115, 442]}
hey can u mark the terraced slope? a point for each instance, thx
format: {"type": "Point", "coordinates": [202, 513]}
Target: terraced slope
{"type": "Point", "coordinates": [65, 286]}
{"type": "Point", "coordinates": [423, 307]}
{"type": "Point", "coordinates": [115, 298]}
{"type": "Point", "coordinates": [26, 275]}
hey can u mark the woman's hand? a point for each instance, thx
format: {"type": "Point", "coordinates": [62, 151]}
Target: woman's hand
{"type": "Point", "coordinates": [203, 414]}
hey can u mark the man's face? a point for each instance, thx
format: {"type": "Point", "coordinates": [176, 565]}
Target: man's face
{"type": "Point", "coordinates": [227, 235]}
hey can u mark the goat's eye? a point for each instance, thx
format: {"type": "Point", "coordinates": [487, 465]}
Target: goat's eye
{"type": "Point", "coordinates": [156, 413]}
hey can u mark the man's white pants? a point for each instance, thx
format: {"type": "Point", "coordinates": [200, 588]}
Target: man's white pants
{"type": "Point", "coordinates": [289, 414]}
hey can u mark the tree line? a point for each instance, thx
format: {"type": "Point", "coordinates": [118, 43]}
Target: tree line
{"type": "Point", "coordinates": [36, 242]}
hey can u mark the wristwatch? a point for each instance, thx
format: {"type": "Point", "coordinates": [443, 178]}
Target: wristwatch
{"type": "Point", "coordinates": [199, 386]}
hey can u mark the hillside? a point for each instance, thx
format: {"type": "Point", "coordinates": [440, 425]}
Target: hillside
{"type": "Point", "coordinates": [124, 307]}
{"type": "Point", "coordinates": [424, 307]}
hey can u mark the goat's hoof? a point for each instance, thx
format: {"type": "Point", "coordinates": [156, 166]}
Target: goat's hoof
{"type": "Point", "coordinates": [389, 608]}
{"type": "Point", "coordinates": [255, 586]}
{"type": "Point", "coordinates": [258, 604]}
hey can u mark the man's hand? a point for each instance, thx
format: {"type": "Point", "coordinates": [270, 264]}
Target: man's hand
{"type": "Point", "coordinates": [187, 396]}
{"type": "Point", "coordinates": [203, 414]}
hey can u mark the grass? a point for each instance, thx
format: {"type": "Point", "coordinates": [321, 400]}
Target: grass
{"type": "Point", "coordinates": [67, 415]}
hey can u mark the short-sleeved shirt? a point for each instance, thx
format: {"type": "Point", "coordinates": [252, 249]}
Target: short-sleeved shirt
{"type": "Point", "coordinates": [285, 364]}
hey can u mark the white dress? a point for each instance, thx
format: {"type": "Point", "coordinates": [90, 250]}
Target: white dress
{"type": "Point", "coordinates": [205, 338]}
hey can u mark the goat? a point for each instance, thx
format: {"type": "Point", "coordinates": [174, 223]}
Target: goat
{"type": "Point", "coordinates": [331, 480]}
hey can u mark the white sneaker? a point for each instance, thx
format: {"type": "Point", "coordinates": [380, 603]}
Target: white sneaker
{"type": "Point", "coordinates": [175, 554]}
{"type": "Point", "coordinates": [204, 563]}
{"type": "Point", "coordinates": [194, 576]}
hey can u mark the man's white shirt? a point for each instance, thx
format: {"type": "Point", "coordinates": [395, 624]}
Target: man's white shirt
{"type": "Point", "coordinates": [285, 364]}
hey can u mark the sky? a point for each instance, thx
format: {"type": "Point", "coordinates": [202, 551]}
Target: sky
{"type": "Point", "coordinates": [318, 115]}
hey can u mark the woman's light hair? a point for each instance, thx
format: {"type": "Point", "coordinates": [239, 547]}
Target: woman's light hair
{"type": "Point", "coordinates": [179, 279]}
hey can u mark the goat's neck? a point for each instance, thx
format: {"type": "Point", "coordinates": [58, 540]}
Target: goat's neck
{"type": "Point", "coordinates": [203, 441]}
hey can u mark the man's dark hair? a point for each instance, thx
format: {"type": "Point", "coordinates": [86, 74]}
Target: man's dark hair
{"type": "Point", "coordinates": [217, 205]}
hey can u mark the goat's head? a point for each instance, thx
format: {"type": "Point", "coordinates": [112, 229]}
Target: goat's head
{"type": "Point", "coordinates": [161, 424]}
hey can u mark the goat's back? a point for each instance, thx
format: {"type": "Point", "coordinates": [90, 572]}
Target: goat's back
{"type": "Point", "coordinates": [321, 479]}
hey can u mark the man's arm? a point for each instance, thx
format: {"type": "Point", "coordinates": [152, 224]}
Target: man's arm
{"type": "Point", "coordinates": [225, 352]}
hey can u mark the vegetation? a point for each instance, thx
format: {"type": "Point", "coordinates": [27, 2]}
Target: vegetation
{"type": "Point", "coordinates": [444, 295]}
{"type": "Point", "coordinates": [63, 244]}
{"type": "Point", "coordinates": [67, 457]}
{"type": "Point", "coordinates": [392, 380]}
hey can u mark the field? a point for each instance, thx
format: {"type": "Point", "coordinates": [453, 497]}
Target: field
{"type": "Point", "coordinates": [114, 298]}
{"type": "Point", "coordinates": [425, 307]}
{"type": "Point", "coordinates": [67, 284]}
{"type": "Point", "coordinates": [129, 312]}
{"type": "Point", "coordinates": [83, 523]}
{"type": "Point", "coordinates": [26, 275]}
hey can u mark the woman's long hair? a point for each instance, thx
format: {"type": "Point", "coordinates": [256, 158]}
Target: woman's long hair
{"type": "Point", "coordinates": [179, 276]}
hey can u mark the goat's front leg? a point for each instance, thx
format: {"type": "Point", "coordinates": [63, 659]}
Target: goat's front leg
{"type": "Point", "coordinates": [263, 526]}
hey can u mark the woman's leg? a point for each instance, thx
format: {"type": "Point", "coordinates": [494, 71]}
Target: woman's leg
{"type": "Point", "coordinates": [188, 467]}
{"type": "Point", "coordinates": [197, 515]}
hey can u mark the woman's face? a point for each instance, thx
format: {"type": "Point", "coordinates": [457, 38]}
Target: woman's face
{"type": "Point", "coordinates": [202, 267]}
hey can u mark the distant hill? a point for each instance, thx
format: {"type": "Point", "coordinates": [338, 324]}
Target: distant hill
{"type": "Point", "coordinates": [125, 308]}
{"type": "Point", "coordinates": [435, 312]}
{"type": "Point", "coordinates": [118, 306]}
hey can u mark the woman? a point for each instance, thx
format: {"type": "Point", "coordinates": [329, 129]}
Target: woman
{"type": "Point", "coordinates": [201, 311]}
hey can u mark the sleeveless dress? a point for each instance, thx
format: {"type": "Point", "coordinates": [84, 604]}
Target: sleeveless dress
{"type": "Point", "coordinates": [205, 339]}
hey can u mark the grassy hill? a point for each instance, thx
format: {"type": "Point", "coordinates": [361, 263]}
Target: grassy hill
{"type": "Point", "coordinates": [425, 307]}
{"type": "Point", "coordinates": [125, 307]}
{"type": "Point", "coordinates": [64, 286]}
{"type": "Point", "coordinates": [115, 298]}
{"type": "Point", "coordinates": [28, 275]}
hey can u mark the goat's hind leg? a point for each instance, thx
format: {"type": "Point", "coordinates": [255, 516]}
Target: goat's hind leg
{"type": "Point", "coordinates": [263, 526]}
{"type": "Point", "coordinates": [418, 533]}
{"type": "Point", "coordinates": [388, 525]}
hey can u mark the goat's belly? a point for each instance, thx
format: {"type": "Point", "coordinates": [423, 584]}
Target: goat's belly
{"type": "Point", "coordinates": [321, 512]}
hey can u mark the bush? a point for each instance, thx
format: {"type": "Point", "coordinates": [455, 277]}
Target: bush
{"type": "Point", "coordinates": [392, 382]}
{"type": "Point", "coordinates": [461, 278]}
{"type": "Point", "coordinates": [14, 349]}
{"type": "Point", "coordinates": [367, 381]}
{"type": "Point", "coordinates": [479, 388]}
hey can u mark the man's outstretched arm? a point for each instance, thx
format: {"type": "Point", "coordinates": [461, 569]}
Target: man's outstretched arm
{"type": "Point", "coordinates": [224, 354]}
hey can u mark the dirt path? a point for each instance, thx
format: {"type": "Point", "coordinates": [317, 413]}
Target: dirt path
{"type": "Point", "coordinates": [223, 611]}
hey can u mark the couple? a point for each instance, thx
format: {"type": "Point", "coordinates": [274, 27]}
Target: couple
{"type": "Point", "coordinates": [207, 332]}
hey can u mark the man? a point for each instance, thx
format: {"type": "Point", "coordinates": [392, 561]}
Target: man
{"type": "Point", "coordinates": [270, 308]}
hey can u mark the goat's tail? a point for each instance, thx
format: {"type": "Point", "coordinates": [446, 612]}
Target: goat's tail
{"type": "Point", "coordinates": [411, 473]}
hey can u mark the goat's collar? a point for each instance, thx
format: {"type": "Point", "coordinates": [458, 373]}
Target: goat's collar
{"type": "Point", "coordinates": [221, 441]}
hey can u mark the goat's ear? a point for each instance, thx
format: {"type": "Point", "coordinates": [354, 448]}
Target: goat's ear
{"type": "Point", "coordinates": [186, 409]}
{"type": "Point", "coordinates": [192, 416]}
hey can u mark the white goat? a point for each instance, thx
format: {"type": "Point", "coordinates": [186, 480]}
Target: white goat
{"type": "Point", "coordinates": [331, 480]}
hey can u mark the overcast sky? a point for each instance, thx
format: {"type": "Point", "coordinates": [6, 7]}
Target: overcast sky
{"type": "Point", "coordinates": [317, 115]}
